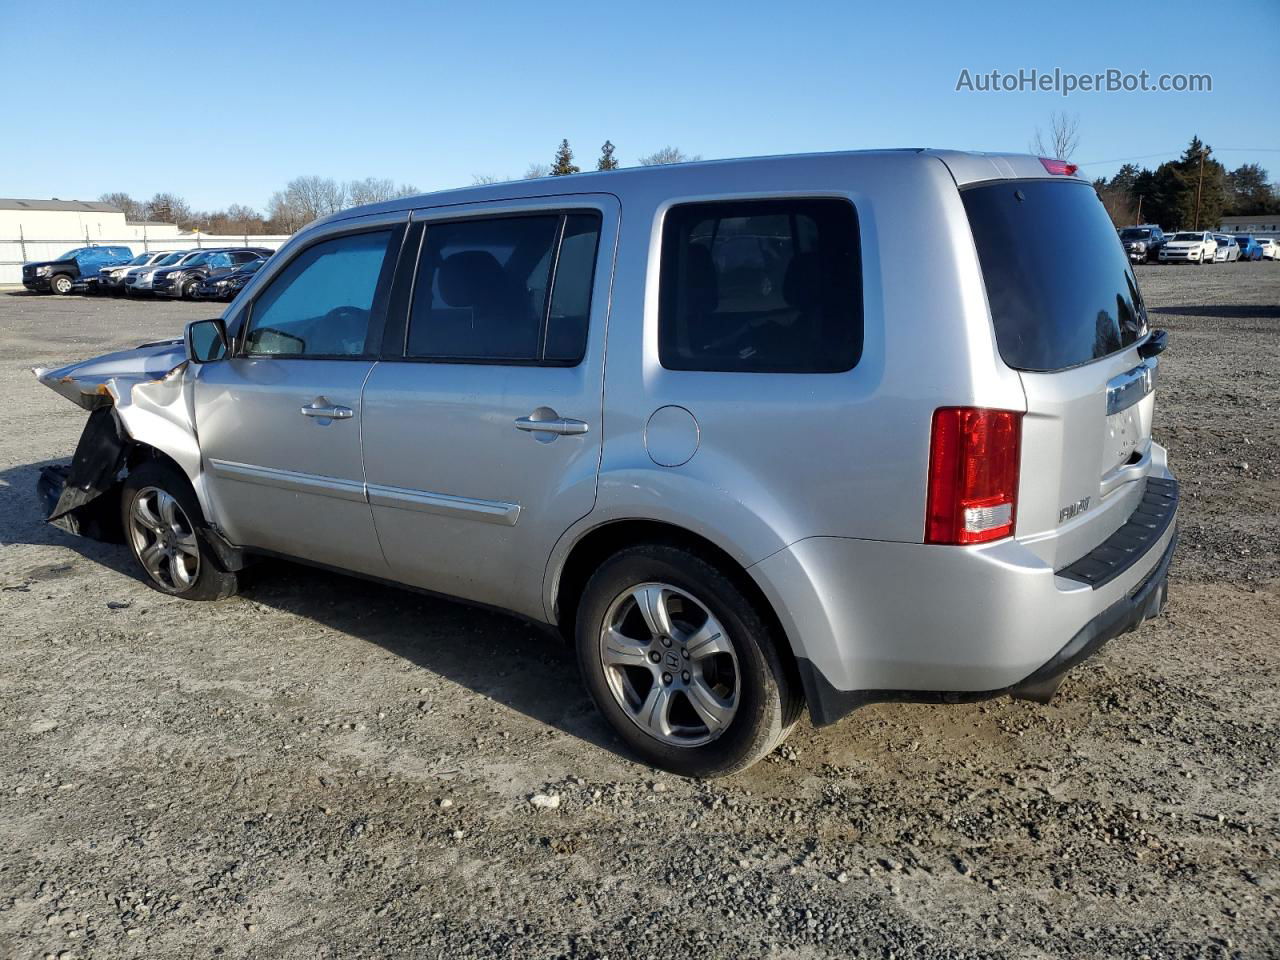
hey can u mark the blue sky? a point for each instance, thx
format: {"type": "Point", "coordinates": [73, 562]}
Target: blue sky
{"type": "Point", "coordinates": [225, 103]}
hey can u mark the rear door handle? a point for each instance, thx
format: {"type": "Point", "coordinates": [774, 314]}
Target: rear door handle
{"type": "Point", "coordinates": [327, 411]}
{"type": "Point", "coordinates": [560, 426]}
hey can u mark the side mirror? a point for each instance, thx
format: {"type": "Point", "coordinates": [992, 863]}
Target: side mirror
{"type": "Point", "coordinates": [206, 341]}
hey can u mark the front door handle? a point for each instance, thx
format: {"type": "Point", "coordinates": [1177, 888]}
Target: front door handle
{"type": "Point", "coordinates": [319, 407]}
{"type": "Point", "coordinates": [546, 420]}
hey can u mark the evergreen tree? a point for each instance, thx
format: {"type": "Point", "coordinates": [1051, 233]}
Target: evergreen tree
{"type": "Point", "coordinates": [607, 160]}
{"type": "Point", "coordinates": [564, 164]}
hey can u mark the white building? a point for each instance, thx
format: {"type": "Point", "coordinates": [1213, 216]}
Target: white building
{"type": "Point", "coordinates": [1257, 225]}
{"type": "Point", "coordinates": [45, 229]}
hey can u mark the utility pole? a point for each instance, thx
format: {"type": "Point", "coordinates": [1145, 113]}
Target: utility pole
{"type": "Point", "coordinates": [1199, 189]}
{"type": "Point", "coordinates": [1139, 219]}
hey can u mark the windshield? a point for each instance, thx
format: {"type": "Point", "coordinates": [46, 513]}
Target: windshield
{"type": "Point", "coordinates": [1134, 234]}
{"type": "Point", "coordinates": [1223, 241]}
{"type": "Point", "coordinates": [194, 259]}
{"type": "Point", "coordinates": [1188, 237]}
{"type": "Point", "coordinates": [171, 258]}
{"type": "Point", "coordinates": [1059, 284]}
{"type": "Point", "coordinates": [72, 253]}
{"type": "Point", "coordinates": [139, 260]}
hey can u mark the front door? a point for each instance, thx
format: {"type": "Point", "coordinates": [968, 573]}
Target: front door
{"type": "Point", "coordinates": [279, 421]}
{"type": "Point", "coordinates": [482, 425]}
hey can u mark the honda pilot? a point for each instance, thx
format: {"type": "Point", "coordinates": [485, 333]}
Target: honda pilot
{"type": "Point", "coordinates": [742, 431]}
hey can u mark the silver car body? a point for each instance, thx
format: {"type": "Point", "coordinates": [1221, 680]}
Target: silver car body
{"type": "Point", "coordinates": [113, 277]}
{"type": "Point", "coordinates": [814, 485]}
{"type": "Point", "coordinates": [140, 278]}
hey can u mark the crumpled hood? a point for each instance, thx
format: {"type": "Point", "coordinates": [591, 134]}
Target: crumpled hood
{"type": "Point", "coordinates": [89, 383]}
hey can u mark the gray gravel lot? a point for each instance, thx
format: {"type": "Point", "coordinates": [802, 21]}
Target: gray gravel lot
{"type": "Point", "coordinates": [329, 768]}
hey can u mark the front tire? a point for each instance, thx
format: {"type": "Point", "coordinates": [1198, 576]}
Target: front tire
{"type": "Point", "coordinates": [61, 284]}
{"type": "Point", "coordinates": [682, 663]}
{"type": "Point", "coordinates": [164, 528]}
{"type": "Point", "coordinates": [189, 289]}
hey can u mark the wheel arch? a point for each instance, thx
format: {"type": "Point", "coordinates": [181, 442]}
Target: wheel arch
{"type": "Point", "coordinates": [594, 545]}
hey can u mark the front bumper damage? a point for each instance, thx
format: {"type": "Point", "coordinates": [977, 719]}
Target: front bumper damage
{"type": "Point", "coordinates": [73, 495]}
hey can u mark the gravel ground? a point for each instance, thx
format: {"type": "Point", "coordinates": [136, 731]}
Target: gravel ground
{"type": "Point", "coordinates": [328, 768]}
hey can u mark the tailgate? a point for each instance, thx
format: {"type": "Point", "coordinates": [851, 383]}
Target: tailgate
{"type": "Point", "coordinates": [1067, 314]}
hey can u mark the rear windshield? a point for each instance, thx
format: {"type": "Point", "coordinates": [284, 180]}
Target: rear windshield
{"type": "Point", "coordinates": [1058, 281]}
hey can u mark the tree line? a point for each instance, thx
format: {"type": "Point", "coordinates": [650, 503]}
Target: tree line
{"type": "Point", "coordinates": [304, 199]}
{"type": "Point", "coordinates": [1193, 192]}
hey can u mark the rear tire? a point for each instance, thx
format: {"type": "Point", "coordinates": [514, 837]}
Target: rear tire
{"type": "Point", "coordinates": [165, 529]}
{"type": "Point", "coordinates": [682, 664]}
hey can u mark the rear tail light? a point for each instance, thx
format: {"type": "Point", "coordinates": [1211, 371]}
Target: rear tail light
{"type": "Point", "coordinates": [973, 475]}
{"type": "Point", "coordinates": [1059, 168]}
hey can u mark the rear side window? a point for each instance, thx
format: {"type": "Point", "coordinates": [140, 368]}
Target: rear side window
{"type": "Point", "coordinates": [505, 289]}
{"type": "Point", "coordinates": [761, 286]}
{"type": "Point", "coordinates": [1061, 290]}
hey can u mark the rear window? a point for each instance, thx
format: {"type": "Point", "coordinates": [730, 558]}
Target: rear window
{"type": "Point", "coordinates": [761, 286]}
{"type": "Point", "coordinates": [1060, 287]}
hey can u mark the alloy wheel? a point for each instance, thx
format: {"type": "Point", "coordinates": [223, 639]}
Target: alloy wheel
{"type": "Point", "coordinates": [164, 539]}
{"type": "Point", "coordinates": [670, 665]}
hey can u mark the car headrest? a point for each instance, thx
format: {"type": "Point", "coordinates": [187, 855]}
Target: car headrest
{"type": "Point", "coordinates": [469, 276]}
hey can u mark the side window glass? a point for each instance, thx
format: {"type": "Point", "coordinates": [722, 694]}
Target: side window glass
{"type": "Point", "coordinates": [763, 286]}
{"type": "Point", "coordinates": [321, 303]}
{"type": "Point", "coordinates": [514, 289]}
{"type": "Point", "coordinates": [566, 338]}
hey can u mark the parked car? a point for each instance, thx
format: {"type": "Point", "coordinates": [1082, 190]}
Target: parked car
{"type": "Point", "coordinates": [1189, 247]}
{"type": "Point", "coordinates": [182, 279]}
{"type": "Point", "coordinates": [226, 285]}
{"type": "Point", "coordinates": [1227, 251]}
{"type": "Point", "coordinates": [138, 280]}
{"type": "Point", "coordinates": [872, 485]}
{"type": "Point", "coordinates": [111, 278]}
{"type": "Point", "coordinates": [70, 271]}
{"type": "Point", "coordinates": [1142, 243]}
{"type": "Point", "coordinates": [1270, 248]}
{"type": "Point", "coordinates": [1250, 249]}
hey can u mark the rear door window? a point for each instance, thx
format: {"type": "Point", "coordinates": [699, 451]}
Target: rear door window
{"type": "Point", "coordinates": [761, 286]}
{"type": "Point", "coordinates": [1060, 287]}
{"type": "Point", "coordinates": [505, 289]}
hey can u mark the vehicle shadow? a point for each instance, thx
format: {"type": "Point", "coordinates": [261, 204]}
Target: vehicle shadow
{"type": "Point", "coordinates": [502, 657]}
{"type": "Point", "coordinates": [1245, 311]}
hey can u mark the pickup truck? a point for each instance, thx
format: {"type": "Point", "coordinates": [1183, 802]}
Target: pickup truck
{"type": "Point", "coordinates": [72, 269]}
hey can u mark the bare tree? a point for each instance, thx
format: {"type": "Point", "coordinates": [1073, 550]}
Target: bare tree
{"type": "Point", "coordinates": [481, 179]}
{"type": "Point", "coordinates": [133, 210]}
{"type": "Point", "coordinates": [168, 208]}
{"type": "Point", "coordinates": [1064, 136]}
{"type": "Point", "coordinates": [668, 155]}
{"type": "Point", "coordinates": [376, 190]}
{"type": "Point", "coordinates": [537, 170]}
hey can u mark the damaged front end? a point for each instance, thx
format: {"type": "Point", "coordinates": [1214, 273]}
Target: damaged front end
{"type": "Point", "coordinates": [138, 407]}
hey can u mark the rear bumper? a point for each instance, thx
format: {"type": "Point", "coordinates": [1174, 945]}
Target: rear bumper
{"type": "Point", "coordinates": [828, 704]}
{"type": "Point", "coordinates": [872, 621]}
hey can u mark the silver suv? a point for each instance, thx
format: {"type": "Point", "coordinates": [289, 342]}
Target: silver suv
{"type": "Point", "coordinates": [828, 429]}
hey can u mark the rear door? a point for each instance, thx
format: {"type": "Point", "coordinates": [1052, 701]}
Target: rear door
{"type": "Point", "coordinates": [482, 424]}
{"type": "Point", "coordinates": [1068, 315]}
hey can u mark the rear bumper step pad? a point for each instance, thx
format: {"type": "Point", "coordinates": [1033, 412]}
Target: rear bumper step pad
{"type": "Point", "coordinates": [1120, 551]}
